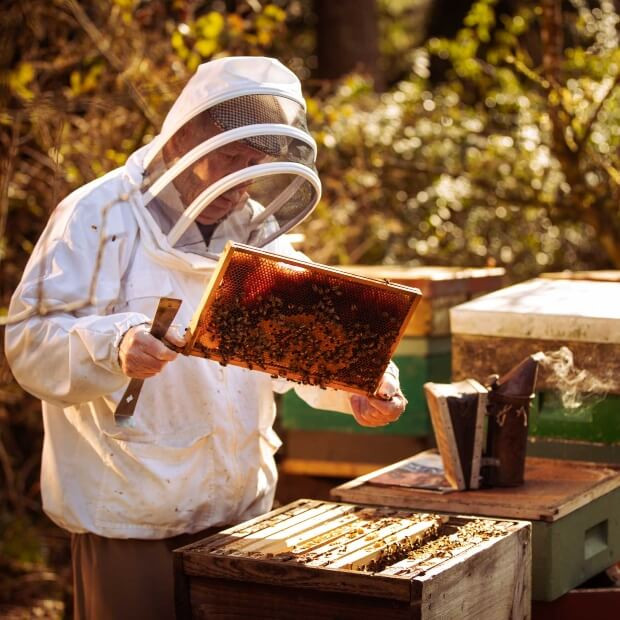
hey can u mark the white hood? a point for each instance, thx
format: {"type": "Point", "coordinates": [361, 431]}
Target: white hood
{"type": "Point", "coordinates": [226, 78]}
{"type": "Point", "coordinates": [246, 110]}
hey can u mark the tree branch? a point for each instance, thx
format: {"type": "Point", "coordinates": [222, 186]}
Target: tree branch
{"type": "Point", "coordinates": [552, 39]}
{"type": "Point", "coordinates": [6, 177]}
{"type": "Point", "coordinates": [9, 478]}
{"type": "Point", "coordinates": [590, 123]}
{"type": "Point", "coordinates": [104, 46]}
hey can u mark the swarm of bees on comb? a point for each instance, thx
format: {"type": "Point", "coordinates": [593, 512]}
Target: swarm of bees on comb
{"type": "Point", "coordinates": [305, 322]}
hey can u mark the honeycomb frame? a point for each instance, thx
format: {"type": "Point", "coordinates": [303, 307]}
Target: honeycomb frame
{"type": "Point", "coordinates": [299, 320]}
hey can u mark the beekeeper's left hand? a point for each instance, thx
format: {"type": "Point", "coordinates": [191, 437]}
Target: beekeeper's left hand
{"type": "Point", "coordinates": [386, 406]}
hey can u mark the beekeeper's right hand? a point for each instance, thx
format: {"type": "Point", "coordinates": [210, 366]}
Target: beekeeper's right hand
{"type": "Point", "coordinates": [142, 356]}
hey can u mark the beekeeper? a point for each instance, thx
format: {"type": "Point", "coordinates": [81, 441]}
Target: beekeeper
{"type": "Point", "coordinates": [234, 160]}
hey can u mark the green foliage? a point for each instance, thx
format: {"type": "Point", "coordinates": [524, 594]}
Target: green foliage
{"type": "Point", "coordinates": [471, 171]}
{"type": "Point", "coordinates": [402, 25]}
{"type": "Point", "coordinates": [19, 540]}
{"type": "Point", "coordinates": [93, 84]}
{"type": "Point", "coordinates": [216, 33]}
{"type": "Point", "coordinates": [19, 79]}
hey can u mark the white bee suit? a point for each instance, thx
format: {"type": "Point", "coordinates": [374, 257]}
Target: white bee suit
{"type": "Point", "coordinates": [200, 452]}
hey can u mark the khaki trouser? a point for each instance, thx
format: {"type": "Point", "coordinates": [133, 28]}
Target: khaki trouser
{"type": "Point", "coordinates": [118, 579]}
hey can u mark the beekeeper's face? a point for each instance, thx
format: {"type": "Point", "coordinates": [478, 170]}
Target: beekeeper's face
{"type": "Point", "coordinates": [228, 159]}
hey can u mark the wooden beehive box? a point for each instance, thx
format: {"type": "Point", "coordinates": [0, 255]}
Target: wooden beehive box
{"type": "Point", "coordinates": [313, 559]}
{"type": "Point", "coordinates": [493, 333]}
{"type": "Point", "coordinates": [601, 275]}
{"type": "Point", "coordinates": [574, 508]}
{"type": "Point", "coordinates": [300, 320]}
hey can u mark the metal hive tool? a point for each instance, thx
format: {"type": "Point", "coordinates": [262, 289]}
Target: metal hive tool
{"type": "Point", "coordinates": [306, 322]}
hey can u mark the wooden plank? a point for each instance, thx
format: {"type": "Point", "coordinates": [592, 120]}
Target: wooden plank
{"type": "Point", "coordinates": [420, 324]}
{"type": "Point", "coordinates": [455, 541]}
{"type": "Point", "coordinates": [552, 489]}
{"type": "Point", "coordinates": [322, 534]}
{"type": "Point", "coordinates": [317, 467]}
{"type": "Point", "coordinates": [436, 281]}
{"type": "Point", "coordinates": [283, 512]}
{"type": "Point", "coordinates": [459, 535]}
{"type": "Point", "coordinates": [294, 574]}
{"type": "Point", "coordinates": [182, 586]}
{"type": "Point", "coordinates": [278, 540]}
{"type": "Point", "coordinates": [249, 583]}
{"type": "Point", "coordinates": [223, 599]}
{"type": "Point", "coordinates": [383, 544]}
{"type": "Point", "coordinates": [237, 532]}
{"type": "Point", "coordinates": [478, 448]}
{"type": "Point", "coordinates": [274, 528]}
{"type": "Point", "coordinates": [411, 566]}
{"type": "Point", "coordinates": [339, 555]}
{"type": "Point", "coordinates": [212, 284]}
{"type": "Point", "coordinates": [436, 397]}
{"type": "Point", "coordinates": [479, 356]}
{"type": "Point", "coordinates": [432, 316]}
{"type": "Point", "coordinates": [342, 528]}
{"type": "Point", "coordinates": [360, 534]}
{"type": "Point", "coordinates": [447, 544]}
{"type": "Point", "coordinates": [459, 587]}
{"type": "Point", "coordinates": [602, 275]}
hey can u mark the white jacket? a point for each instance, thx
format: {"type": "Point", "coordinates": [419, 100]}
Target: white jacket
{"type": "Point", "coordinates": [201, 451]}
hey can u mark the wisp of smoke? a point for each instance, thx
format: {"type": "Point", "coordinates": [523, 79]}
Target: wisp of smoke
{"type": "Point", "coordinates": [576, 387]}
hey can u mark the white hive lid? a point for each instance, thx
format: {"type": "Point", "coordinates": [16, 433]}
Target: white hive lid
{"type": "Point", "coordinates": [575, 310]}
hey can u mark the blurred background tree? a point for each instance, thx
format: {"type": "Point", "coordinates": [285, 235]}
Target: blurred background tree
{"type": "Point", "coordinates": [475, 133]}
{"type": "Point", "coordinates": [507, 154]}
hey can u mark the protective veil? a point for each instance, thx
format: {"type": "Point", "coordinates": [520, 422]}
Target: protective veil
{"type": "Point", "coordinates": [234, 160]}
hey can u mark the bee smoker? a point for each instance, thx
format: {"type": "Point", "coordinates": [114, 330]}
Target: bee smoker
{"type": "Point", "coordinates": [508, 410]}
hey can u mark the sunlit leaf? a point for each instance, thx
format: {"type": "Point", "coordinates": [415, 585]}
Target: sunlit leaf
{"type": "Point", "coordinates": [20, 79]}
{"type": "Point", "coordinates": [206, 47]}
{"type": "Point", "coordinates": [274, 12]}
{"type": "Point", "coordinates": [210, 25]}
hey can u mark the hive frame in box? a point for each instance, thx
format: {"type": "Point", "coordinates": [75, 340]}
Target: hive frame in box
{"type": "Point", "coordinates": [204, 314]}
{"type": "Point", "coordinates": [316, 559]}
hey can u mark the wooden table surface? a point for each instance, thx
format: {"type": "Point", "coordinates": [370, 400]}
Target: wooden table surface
{"type": "Point", "coordinates": [552, 489]}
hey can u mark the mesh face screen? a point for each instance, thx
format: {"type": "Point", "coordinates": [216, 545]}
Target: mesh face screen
{"type": "Point", "coordinates": [307, 323]}
{"type": "Point", "coordinates": [252, 110]}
